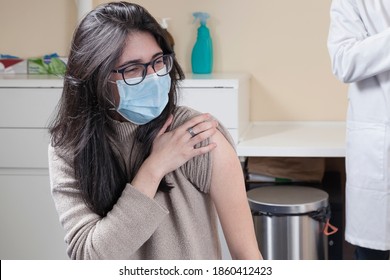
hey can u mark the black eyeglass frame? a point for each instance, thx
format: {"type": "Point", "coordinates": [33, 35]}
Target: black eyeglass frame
{"type": "Point", "coordinates": [145, 65]}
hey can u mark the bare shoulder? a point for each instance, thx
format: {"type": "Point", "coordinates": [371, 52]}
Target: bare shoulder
{"type": "Point", "coordinates": [225, 147]}
{"type": "Point", "coordinates": [224, 158]}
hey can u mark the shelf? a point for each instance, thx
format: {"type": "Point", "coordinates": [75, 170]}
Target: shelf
{"type": "Point", "coordinates": [30, 81]}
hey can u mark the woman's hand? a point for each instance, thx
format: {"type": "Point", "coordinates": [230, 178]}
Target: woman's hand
{"type": "Point", "coordinates": [174, 148]}
{"type": "Point", "coordinates": [171, 149]}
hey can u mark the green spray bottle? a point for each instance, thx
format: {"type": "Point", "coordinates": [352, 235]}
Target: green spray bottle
{"type": "Point", "coordinates": [202, 52]}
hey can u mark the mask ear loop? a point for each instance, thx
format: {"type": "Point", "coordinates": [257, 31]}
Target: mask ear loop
{"type": "Point", "coordinates": [110, 101]}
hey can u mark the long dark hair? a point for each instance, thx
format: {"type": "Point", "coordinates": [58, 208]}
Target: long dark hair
{"type": "Point", "coordinates": [81, 127]}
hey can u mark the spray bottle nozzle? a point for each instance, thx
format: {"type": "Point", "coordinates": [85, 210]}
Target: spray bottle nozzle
{"type": "Point", "coordinates": [164, 23]}
{"type": "Point", "coordinates": [202, 16]}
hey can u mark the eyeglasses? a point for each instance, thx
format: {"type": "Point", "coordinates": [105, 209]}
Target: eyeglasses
{"type": "Point", "coordinates": [135, 73]}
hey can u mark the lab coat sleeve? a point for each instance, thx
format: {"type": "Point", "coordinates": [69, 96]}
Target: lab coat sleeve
{"type": "Point", "coordinates": [130, 223]}
{"type": "Point", "coordinates": [355, 54]}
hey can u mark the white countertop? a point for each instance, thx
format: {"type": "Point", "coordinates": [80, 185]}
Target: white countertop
{"type": "Point", "coordinates": [214, 80]}
{"type": "Point", "coordinates": [30, 81]}
{"type": "Point", "coordinates": [293, 139]}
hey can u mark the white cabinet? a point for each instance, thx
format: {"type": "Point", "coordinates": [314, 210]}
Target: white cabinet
{"type": "Point", "coordinates": [29, 223]}
{"type": "Point", "coordinates": [225, 96]}
{"type": "Point", "coordinates": [30, 228]}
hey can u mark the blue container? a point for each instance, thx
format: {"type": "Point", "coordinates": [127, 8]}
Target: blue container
{"type": "Point", "coordinates": [202, 52]}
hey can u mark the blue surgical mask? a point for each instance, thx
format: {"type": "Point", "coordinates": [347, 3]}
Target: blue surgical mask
{"type": "Point", "coordinates": [143, 102]}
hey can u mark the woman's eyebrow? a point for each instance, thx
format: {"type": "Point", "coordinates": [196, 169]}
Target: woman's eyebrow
{"type": "Point", "coordinates": [139, 61]}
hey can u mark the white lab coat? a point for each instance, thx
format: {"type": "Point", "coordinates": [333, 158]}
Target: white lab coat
{"type": "Point", "coordinates": [359, 47]}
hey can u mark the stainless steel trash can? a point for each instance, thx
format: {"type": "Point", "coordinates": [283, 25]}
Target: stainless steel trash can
{"type": "Point", "coordinates": [289, 222]}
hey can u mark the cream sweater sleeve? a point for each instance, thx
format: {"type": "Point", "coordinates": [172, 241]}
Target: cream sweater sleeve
{"type": "Point", "coordinates": [198, 170]}
{"type": "Point", "coordinates": [119, 235]}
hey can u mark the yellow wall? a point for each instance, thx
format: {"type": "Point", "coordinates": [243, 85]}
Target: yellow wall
{"type": "Point", "coordinates": [281, 43]}
{"type": "Point", "coordinates": [31, 28]}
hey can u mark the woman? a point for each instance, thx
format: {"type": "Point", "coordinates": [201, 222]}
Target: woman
{"type": "Point", "coordinates": [134, 176]}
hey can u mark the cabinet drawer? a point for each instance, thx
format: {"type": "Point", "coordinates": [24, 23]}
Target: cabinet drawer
{"type": "Point", "coordinates": [221, 103]}
{"type": "Point", "coordinates": [24, 148]}
{"type": "Point", "coordinates": [27, 107]}
{"type": "Point", "coordinates": [30, 229]}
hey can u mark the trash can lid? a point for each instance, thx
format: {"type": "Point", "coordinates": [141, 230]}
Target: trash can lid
{"type": "Point", "coordinates": [287, 199]}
